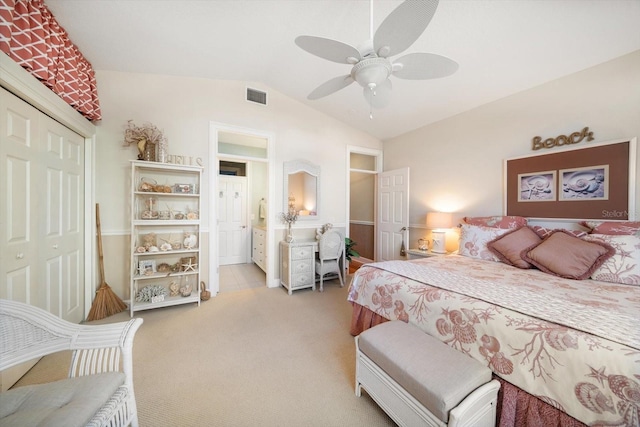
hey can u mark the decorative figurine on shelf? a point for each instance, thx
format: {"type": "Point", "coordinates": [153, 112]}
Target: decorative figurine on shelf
{"type": "Point", "coordinates": [190, 240]}
{"type": "Point", "coordinates": [189, 265]}
{"type": "Point", "coordinates": [186, 288]}
{"type": "Point", "coordinates": [174, 289]}
{"type": "Point", "coordinates": [149, 240]}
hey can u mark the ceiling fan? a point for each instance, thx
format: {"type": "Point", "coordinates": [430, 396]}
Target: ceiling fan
{"type": "Point", "coordinates": [371, 66]}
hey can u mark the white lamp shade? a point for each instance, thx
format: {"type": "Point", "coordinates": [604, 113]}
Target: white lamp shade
{"type": "Point", "coordinates": [438, 220]}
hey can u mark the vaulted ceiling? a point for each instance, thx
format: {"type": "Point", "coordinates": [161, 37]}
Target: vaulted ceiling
{"type": "Point", "coordinates": [502, 47]}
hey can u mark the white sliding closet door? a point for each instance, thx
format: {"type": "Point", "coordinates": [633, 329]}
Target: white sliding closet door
{"type": "Point", "coordinates": [42, 216]}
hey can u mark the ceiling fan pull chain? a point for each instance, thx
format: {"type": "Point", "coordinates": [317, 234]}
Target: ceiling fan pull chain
{"type": "Point", "coordinates": [371, 103]}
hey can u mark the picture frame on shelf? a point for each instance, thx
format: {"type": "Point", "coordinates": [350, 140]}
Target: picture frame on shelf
{"type": "Point", "coordinates": [147, 267]}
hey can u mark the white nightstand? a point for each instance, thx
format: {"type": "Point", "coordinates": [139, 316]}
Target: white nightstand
{"type": "Point", "coordinates": [417, 253]}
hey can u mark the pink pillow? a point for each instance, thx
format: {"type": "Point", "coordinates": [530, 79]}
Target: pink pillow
{"type": "Point", "coordinates": [613, 227]}
{"type": "Point", "coordinates": [624, 266]}
{"type": "Point", "coordinates": [564, 255]}
{"type": "Point", "coordinates": [496, 221]}
{"type": "Point", "coordinates": [546, 232]}
{"type": "Point", "coordinates": [509, 246]}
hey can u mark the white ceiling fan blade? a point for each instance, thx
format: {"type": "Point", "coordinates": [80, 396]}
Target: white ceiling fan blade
{"type": "Point", "coordinates": [423, 66]}
{"type": "Point", "coordinates": [379, 97]}
{"type": "Point", "coordinates": [332, 50]}
{"type": "Point", "coordinates": [331, 86]}
{"type": "Point", "coordinates": [403, 26]}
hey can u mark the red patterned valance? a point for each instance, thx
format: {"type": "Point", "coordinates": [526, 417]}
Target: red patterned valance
{"type": "Point", "coordinates": [32, 37]}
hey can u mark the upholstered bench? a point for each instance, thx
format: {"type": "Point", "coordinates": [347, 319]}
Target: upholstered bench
{"type": "Point", "coordinates": [418, 380]}
{"type": "Point", "coordinates": [99, 387]}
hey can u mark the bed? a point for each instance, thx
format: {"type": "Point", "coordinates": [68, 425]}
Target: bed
{"type": "Point", "coordinates": [566, 351]}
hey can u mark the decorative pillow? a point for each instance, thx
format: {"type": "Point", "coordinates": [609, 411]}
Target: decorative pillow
{"type": "Point", "coordinates": [546, 232]}
{"type": "Point", "coordinates": [509, 246]}
{"type": "Point", "coordinates": [624, 266]}
{"type": "Point", "coordinates": [616, 228]}
{"type": "Point", "coordinates": [496, 221]}
{"type": "Point", "coordinates": [564, 255]}
{"type": "Point", "coordinates": [474, 239]}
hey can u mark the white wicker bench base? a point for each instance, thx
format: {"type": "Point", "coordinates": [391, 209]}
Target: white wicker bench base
{"type": "Point", "coordinates": [477, 408]}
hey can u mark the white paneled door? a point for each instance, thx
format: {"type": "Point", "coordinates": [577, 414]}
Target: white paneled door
{"type": "Point", "coordinates": [42, 222]}
{"type": "Point", "coordinates": [392, 221]}
{"type": "Point", "coordinates": [232, 219]}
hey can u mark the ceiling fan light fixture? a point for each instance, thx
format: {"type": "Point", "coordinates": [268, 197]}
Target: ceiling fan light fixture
{"type": "Point", "coordinates": [370, 62]}
{"type": "Point", "coordinates": [384, 51]}
{"type": "Point", "coordinates": [371, 71]}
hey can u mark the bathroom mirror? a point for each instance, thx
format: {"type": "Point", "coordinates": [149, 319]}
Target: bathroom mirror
{"type": "Point", "coordinates": [302, 189]}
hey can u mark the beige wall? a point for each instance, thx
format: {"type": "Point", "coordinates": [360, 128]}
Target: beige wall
{"type": "Point", "coordinates": [457, 164]}
{"type": "Point", "coordinates": [184, 109]}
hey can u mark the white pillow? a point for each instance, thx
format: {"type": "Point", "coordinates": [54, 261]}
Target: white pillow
{"type": "Point", "coordinates": [474, 239]}
{"type": "Point", "coordinates": [624, 266]}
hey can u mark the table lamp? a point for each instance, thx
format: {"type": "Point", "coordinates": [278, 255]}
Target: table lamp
{"type": "Point", "coordinates": [438, 223]}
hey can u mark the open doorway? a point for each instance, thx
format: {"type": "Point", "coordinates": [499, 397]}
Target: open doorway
{"type": "Point", "coordinates": [240, 191]}
{"type": "Point", "coordinates": [363, 166]}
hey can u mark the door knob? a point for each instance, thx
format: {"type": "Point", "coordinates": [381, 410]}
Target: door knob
{"type": "Point", "coordinates": [19, 255]}
{"type": "Point", "coordinates": [55, 246]}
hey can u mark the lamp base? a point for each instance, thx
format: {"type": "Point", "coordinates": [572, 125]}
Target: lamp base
{"type": "Point", "coordinates": [439, 242]}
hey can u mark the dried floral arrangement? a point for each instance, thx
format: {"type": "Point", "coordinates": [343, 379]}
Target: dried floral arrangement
{"type": "Point", "coordinates": [288, 218]}
{"type": "Point", "coordinates": [142, 135]}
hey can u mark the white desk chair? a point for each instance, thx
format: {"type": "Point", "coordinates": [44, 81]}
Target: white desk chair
{"type": "Point", "coordinates": [330, 248]}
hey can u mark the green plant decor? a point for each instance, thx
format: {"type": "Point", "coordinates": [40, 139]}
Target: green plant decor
{"type": "Point", "coordinates": [348, 249]}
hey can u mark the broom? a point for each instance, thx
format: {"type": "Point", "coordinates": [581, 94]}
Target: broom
{"type": "Point", "coordinates": [106, 302]}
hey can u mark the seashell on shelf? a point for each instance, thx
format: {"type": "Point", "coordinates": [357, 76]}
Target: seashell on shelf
{"type": "Point", "coordinates": [164, 268]}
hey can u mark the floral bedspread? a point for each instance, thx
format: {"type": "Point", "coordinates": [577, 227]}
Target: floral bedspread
{"type": "Point", "coordinates": [574, 344]}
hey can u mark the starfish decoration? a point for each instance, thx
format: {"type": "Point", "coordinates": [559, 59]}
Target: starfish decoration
{"type": "Point", "coordinates": [189, 266]}
{"type": "Point", "coordinates": [598, 374]}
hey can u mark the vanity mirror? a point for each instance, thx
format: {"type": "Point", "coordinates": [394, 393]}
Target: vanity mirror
{"type": "Point", "coordinates": [302, 189]}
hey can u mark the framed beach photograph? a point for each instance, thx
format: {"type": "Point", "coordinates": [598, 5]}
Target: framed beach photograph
{"type": "Point", "coordinates": [595, 181]}
{"type": "Point", "coordinates": [147, 267]}
{"type": "Point", "coordinates": [586, 183]}
{"type": "Point", "coordinates": [537, 186]}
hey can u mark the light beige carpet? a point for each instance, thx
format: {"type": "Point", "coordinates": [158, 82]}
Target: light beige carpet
{"type": "Point", "coordinates": [255, 357]}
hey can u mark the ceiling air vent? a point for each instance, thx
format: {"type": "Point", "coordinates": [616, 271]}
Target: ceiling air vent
{"type": "Point", "coordinates": [256, 96]}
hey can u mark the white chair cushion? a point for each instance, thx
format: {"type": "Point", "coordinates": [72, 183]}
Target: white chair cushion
{"type": "Point", "coordinates": [65, 403]}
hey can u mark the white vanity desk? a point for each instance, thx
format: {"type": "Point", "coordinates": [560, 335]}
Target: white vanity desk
{"type": "Point", "coordinates": [298, 265]}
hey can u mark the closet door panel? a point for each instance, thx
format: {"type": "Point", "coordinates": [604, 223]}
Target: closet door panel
{"type": "Point", "coordinates": [19, 124]}
{"type": "Point", "coordinates": [63, 222]}
{"type": "Point", "coordinates": [41, 210]}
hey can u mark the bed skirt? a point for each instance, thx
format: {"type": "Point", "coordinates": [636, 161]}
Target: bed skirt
{"type": "Point", "coordinates": [515, 406]}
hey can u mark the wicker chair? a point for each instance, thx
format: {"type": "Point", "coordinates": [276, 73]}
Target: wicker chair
{"type": "Point", "coordinates": [330, 249]}
{"type": "Point", "coordinates": [99, 387]}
